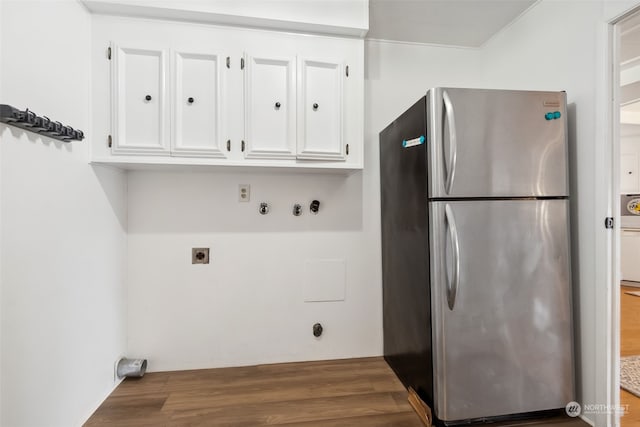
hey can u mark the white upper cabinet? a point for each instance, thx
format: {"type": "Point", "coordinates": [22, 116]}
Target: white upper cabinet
{"type": "Point", "coordinates": [270, 107]}
{"type": "Point", "coordinates": [629, 182]}
{"type": "Point", "coordinates": [187, 94]}
{"type": "Point", "coordinates": [320, 110]}
{"type": "Point", "coordinates": [139, 91]}
{"type": "Point", "coordinates": [197, 105]}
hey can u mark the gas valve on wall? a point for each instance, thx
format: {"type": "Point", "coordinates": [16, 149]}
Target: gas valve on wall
{"type": "Point", "coordinates": [317, 330]}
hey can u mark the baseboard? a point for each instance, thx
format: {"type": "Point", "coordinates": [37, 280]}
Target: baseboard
{"type": "Point", "coordinates": [101, 401]}
{"type": "Point", "coordinates": [587, 420]}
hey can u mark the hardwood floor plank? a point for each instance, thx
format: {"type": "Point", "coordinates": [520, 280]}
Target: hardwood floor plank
{"type": "Point", "coordinates": [256, 376]}
{"type": "Point", "coordinates": [150, 383]}
{"type": "Point", "coordinates": [352, 392]}
{"type": "Point", "coordinates": [404, 419]}
{"type": "Point", "coordinates": [629, 322]}
{"type": "Point", "coordinates": [285, 412]}
{"type": "Point", "coordinates": [551, 422]}
{"type": "Point", "coordinates": [291, 391]}
{"type": "Point", "coordinates": [140, 410]}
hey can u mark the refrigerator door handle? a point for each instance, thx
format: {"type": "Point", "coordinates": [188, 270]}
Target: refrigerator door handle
{"type": "Point", "coordinates": [454, 281]}
{"type": "Point", "coordinates": [453, 149]}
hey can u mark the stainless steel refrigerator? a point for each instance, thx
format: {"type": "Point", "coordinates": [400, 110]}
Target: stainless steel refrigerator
{"type": "Point", "coordinates": [476, 253]}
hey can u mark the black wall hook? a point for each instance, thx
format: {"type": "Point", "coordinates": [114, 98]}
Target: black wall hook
{"type": "Point", "coordinates": [28, 120]}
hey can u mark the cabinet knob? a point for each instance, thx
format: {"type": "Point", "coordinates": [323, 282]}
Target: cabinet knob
{"type": "Point", "coordinates": [190, 100]}
{"type": "Point", "coordinates": [278, 105]}
{"type": "Point", "coordinates": [148, 97]}
{"type": "Point", "coordinates": [315, 106]}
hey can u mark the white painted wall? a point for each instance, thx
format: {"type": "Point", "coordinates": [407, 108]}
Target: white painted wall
{"type": "Point", "coordinates": [63, 226]}
{"type": "Point", "coordinates": [398, 74]}
{"type": "Point", "coordinates": [247, 306]}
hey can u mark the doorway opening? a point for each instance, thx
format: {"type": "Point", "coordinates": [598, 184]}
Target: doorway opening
{"type": "Point", "coordinates": [626, 210]}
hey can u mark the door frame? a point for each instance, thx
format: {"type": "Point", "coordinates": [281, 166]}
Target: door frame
{"type": "Point", "coordinates": [612, 172]}
{"type": "Point", "coordinates": [613, 264]}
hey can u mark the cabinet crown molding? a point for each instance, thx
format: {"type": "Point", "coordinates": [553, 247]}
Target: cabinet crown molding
{"type": "Point", "coordinates": [200, 12]}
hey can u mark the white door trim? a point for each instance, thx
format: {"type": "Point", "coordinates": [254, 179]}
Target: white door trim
{"type": "Point", "coordinates": [612, 174]}
{"type": "Point", "coordinates": [613, 249]}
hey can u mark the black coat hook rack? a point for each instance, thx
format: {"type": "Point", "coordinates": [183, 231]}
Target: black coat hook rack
{"type": "Point", "coordinates": [28, 120]}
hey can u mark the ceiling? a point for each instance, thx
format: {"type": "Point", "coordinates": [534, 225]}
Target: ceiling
{"type": "Point", "coordinates": [447, 22]}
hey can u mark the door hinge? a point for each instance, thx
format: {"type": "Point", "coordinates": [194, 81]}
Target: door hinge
{"type": "Point", "coordinates": [242, 146]}
{"type": "Point", "coordinates": [347, 149]}
{"type": "Point", "coordinates": [228, 145]}
{"type": "Point", "coordinates": [109, 141]}
{"type": "Point", "coordinates": [228, 62]}
{"type": "Point", "coordinates": [109, 52]}
{"type": "Point", "coordinates": [608, 222]}
{"type": "Point", "coordinates": [242, 63]}
{"type": "Point", "coordinates": [347, 71]}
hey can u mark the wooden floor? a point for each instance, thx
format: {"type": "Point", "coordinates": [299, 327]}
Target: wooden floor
{"type": "Point", "coordinates": [630, 346]}
{"type": "Point", "coordinates": [339, 393]}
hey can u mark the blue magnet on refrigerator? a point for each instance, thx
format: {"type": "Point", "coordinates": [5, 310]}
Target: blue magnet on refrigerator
{"type": "Point", "coordinates": [413, 142]}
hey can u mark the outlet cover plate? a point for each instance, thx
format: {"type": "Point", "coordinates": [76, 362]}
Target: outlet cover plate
{"type": "Point", "coordinates": [199, 255]}
{"type": "Point", "coordinates": [244, 192]}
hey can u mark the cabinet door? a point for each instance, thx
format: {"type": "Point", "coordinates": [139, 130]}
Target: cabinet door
{"type": "Point", "coordinates": [629, 173]}
{"type": "Point", "coordinates": [320, 110]}
{"type": "Point", "coordinates": [197, 127]}
{"type": "Point", "coordinates": [140, 103]}
{"type": "Point", "coordinates": [270, 107]}
{"type": "Point", "coordinates": [629, 255]}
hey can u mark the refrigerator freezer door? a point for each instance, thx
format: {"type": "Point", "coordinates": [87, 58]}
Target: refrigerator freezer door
{"type": "Point", "coordinates": [501, 333]}
{"type": "Point", "coordinates": [497, 143]}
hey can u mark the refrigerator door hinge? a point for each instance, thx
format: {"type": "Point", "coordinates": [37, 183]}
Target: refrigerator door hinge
{"type": "Point", "coordinates": [242, 63]}
{"type": "Point", "coordinates": [228, 62]}
{"type": "Point", "coordinates": [109, 53]}
{"type": "Point", "coordinates": [109, 141]}
{"type": "Point", "coordinates": [347, 149]}
{"type": "Point", "coordinates": [347, 71]}
{"type": "Point", "coordinates": [242, 146]}
{"type": "Point", "coordinates": [608, 222]}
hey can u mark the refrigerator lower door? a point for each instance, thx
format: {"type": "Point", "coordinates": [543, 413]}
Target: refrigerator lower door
{"type": "Point", "coordinates": [497, 143]}
{"type": "Point", "coordinates": [501, 303]}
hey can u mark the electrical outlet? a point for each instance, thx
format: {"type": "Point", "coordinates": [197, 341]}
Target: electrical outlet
{"type": "Point", "coordinates": [244, 192]}
{"type": "Point", "coordinates": [200, 256]}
